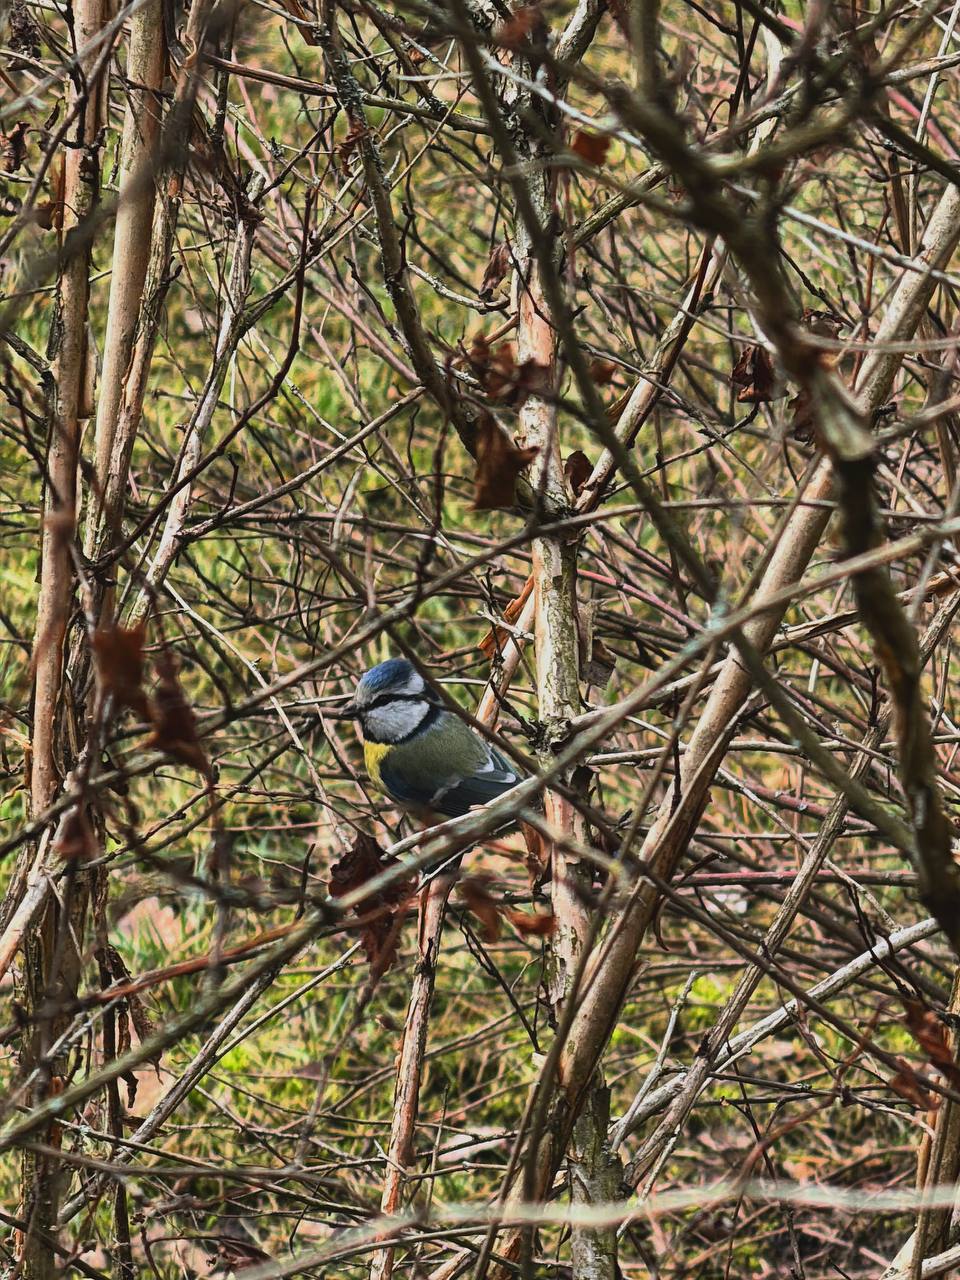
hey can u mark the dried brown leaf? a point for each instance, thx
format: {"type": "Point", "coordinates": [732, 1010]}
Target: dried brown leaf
{"type": "Point", "coordinates": [75, 841]}
{"type": "Point", "coordinates": [497, 371]}
{"type": "Point", "coordinates": [123, 1047]}
{"type": "Point", "coordinates": [309, 34]}
{"type": "Point", "coordinates": [174, 724]}
{"type": "Point", "coordinates": [123, 1031]}
{"type": "Point", "coordinates": [592, 147]}
{"type": "Point", "coordinates": [498, 264]}
{"type": "Point", "coordinates": [537, 856]}
{"type": "Point", "coordinates": [602, 371]}
{"type": "Point", "coordinates": [753, 374]}
{"type": "Point", "coordinates": [499, 463]}
{"type": "Point", "coordinates": [530, 379]}
{"type": "Point", "coordinates": [907, 1083]}
{"type": "Point", "coordinates": [143, 1024]}
{"type": "Point", "coordinates": [533, 924]}
{"type": "Point", "coordinates": [130, 1080]}
{"type": "Point", "coordinates": [495, 367]}
{"type": "Point", "coordinates": [802, 427]}
{"type": "Point", "coordinates": [13, 146]}
{"type": "Point", "coordinates": [130, 1009]}
{"type": "Point", "coordinates": [514, 33]}
{"type": "Point", "coordinates": [578, 469]}
{"type": "Point", "coordinates": [118, 655]}
{"type": "Point", "coordinates": [477, 896]}
{"type": "Point", "coordinates": [44, 215]}
{"type": "Point", "coordinates": [615, 410]}
{"type": "Point", "coordinates": [351, 140]}
{"type": "Point", "coordinates": [930, 1034]}
{"type": "Point", "coordinates": [378, 911]}
{"type": "Point", "coordinates": [600, 665]}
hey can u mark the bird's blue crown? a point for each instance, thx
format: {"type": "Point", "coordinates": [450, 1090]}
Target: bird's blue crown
{"type": "Point", "coordinates": [395, 671]}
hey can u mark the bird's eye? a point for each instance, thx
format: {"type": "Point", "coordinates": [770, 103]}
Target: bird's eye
{"type": "Point", "coordinates": [383, 699]}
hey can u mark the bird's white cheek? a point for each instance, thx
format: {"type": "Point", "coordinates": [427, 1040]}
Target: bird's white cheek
{"type": "Point", "coordinates": [395, 721]}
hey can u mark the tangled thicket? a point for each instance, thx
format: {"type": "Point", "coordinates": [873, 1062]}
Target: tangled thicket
{"type": "Point", "coordinates": [601, 358]}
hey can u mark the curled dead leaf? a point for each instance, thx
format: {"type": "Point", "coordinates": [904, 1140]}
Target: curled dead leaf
{"type": "Point", "coordinates": [44, 215]}
{"type": "Point", "coordinates": [75, 839]}
{"type": "Point", "coordinates": [499, 463]}
{"type": "Point", "coordinates": [309, 34]}
{"type": "Point", "coordinates": [516, 30]}
{"type": "Point", "coordinates": [378, 911]}
{"type": "Point", "coordinates": [754, 375]}
{"type": "Point", "coordinates": [615, 410]}
{"type": "Point", "coordinates": [490, 911]}
{"type": "Point", "coordinates": [475, 892]}
{"type": "Point", "coordinates": [931, 1035]}
{"type": "Point", "coordinates": [351, 140]}
{"type": "Point", "coordinates": [907, 1084]}
{"type": "Point", "coordinates": [13, 146]}
{"type": "Point", "coordinates": [801, 427]}
{"type": "Point", "coordinates": [592, 147]}
{"type": "Point", "coordinates": [494, 367]}
{"type": "Point", "coordinates": [533, 924]}
{"type": "Point", "coordinates": [577, 468]}
{"type": "Point", "coordinates": [537, 857]}
{"type": "Point", "coordinates": [600, 665]}
{"type": "Point", "coordinates": [119, 660]}
{"type": "Point", "coordinates": [602, 371]}
{"type": "Point", "coordinates": [498, 264]}
{"type": "Point", "coordinates": [498, 373]}
{"type": "Point", "coordinates": [174, 724]}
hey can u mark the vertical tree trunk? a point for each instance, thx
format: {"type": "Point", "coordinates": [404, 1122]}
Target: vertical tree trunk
{"type": "Point", "coordinates": [938, 1164]}
{"type": "Point", "coordinates": [558, 695]}
{"type": "Point", "coordinates": [139, 165]}
{"type": "Point", "coordinates": [51, 959]}
{"type": "Point", "coordinates": [69, 358]}
{"type": "Point", "coordinates": [131, 338]}
{"type": "Point", "coordinates": [406, 1097]}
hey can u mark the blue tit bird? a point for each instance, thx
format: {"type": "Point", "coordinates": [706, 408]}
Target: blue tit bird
{"type": "Point", "coordinates": [422, 755]}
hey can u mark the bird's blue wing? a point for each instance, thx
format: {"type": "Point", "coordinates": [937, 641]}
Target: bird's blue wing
{"type": "Point", "coordinates": [477, 788]}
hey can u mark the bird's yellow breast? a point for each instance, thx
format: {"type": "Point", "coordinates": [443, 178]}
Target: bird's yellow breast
{"type": "Point", "coordinates": [373, 753]}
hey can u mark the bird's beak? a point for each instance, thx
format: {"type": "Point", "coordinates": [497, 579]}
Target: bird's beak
{"type": "Point", "coordinates": [349, 712]}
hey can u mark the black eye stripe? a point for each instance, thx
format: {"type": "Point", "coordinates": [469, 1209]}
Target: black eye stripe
{"type": "Point", "coordinates": [382, 699]}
